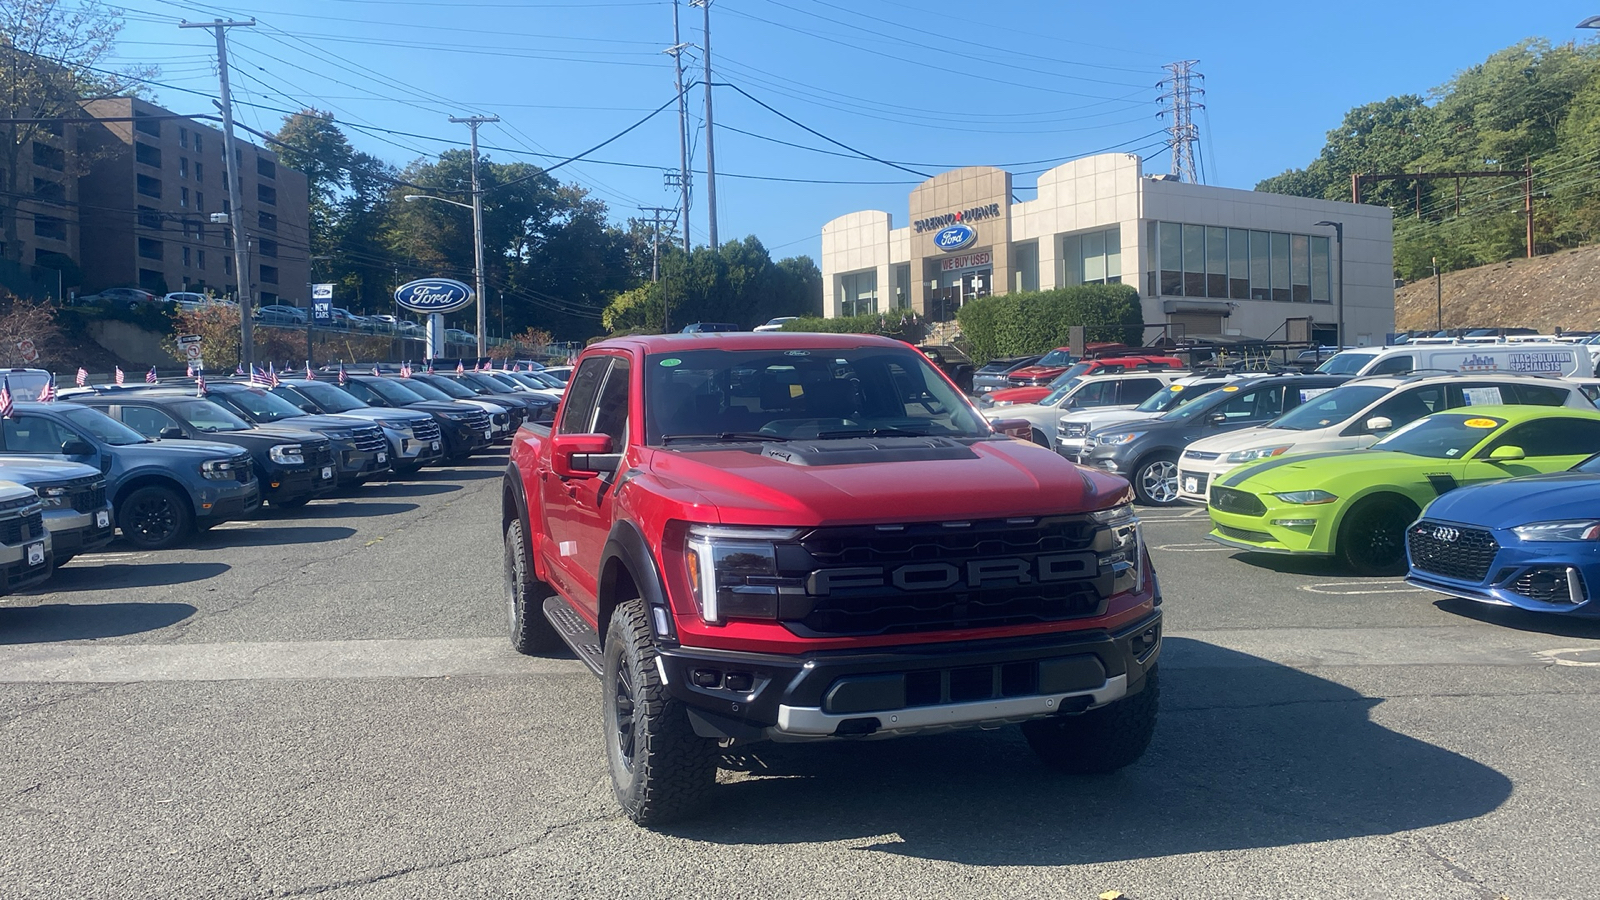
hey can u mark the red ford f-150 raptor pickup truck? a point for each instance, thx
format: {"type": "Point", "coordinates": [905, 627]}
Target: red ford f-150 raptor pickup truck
{"type": "Point", "coordinates": [795, 537]}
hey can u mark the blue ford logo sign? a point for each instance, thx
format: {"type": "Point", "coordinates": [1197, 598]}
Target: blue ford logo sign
{"type": "Point", "coordinates": [954, 237]}
{"type": "Point", "coordinates": [433, 295]}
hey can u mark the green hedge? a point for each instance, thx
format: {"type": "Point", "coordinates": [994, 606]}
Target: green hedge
{"type": "Point", "coordinates": [1038, 321]}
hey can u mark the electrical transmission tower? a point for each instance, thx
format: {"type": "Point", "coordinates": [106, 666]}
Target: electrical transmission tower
{"type": "Point", "coordinates": [1180, 91]}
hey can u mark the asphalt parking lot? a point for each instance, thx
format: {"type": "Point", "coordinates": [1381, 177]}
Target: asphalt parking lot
{"type": "Point", "coordinates": [322, 702]}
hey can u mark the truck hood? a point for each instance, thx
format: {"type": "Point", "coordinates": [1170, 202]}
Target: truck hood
{"type": "Point", "coordinates": [373, 413]}
{"type": "Point", "coordinates": [1509, 503]}
{"type": "Point", "coordinates": [31, 470]}
{"type": "Point", "coordinates": [1037, 372]}
{"type": "Point", "coordinates": [198, 450]}
{"type": "Point", "coordinates": [322, 423]}
{"type": "Point", "coordinates": [995, 479]}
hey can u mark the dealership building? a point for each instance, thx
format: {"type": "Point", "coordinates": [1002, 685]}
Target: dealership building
{"type": "Point", "coordinates": [1205, 260]}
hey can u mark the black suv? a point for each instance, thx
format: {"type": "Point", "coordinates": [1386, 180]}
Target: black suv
{"type": "Point", "coordinates": [466, 429]}
{"type": "Point", "coordinates": [516, 412]}
{"type": "Point", "coordinates": [538, 407]}
{"type": "Point", "coordinates": [293, 465]}
{"type": "Point", "coordinates": [360, 450]}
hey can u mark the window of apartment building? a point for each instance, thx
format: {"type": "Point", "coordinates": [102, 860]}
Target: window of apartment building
{"type": "Point", "coordinates": [200, 201]}
{"type": "Point", "coordinates": [153, 281]}
{"type": "Point", "coordinates": [148, 186]}
{"type": "Point", "coordinates": [183, 198]}
{"type": "Point", "coordinates": [186, 257]}
{"type": "Point", "coordinates": [1238, 264]}
{"type": "Point", "coordinates": [269, 274]}
{"type": "Point", "coordinates": [858, 293]}
{"type": "Point", "coordinates": [48, 157]}
{"type": "Point", "coordinates": [1094, 257]}
{"type": "Point", "coordinates": [183, 167]}
{"type": "Point", "coordinates": [266, 221]}
{"type": "Point", "coordinates": [50, 227]}
{"type": "Point", "coordinates": [150, 248]}
{"type": "Point", "coordinates": [147, 154]}
{"type": "Point", "coordinates": [144, 124]}
{"type": "Point", "coordinates": [268, 248]}
{"type": "Point", "coordinates": [227, 205]}
{"type": "Point", "coordinates": [48, 190]}
{"type": "Point", "coordinates": [1025, 266]}
{"type": "Point", "coordinates": [200, 259]}
{"type": "Point", "coordinates": [149, 217]}
{"type": "Point", "coordinates": [902, 287]}
{"type": "Point", "coordinates": [227, 238]}
{"type": "Point", "coordinates": [199, 170]}
{"type": "Point", "coordinates": [267, 194]}
{"type": "Point", "coordinates": [266, 168]}
{"type": "Point", "coordinates": [227, 267]}
{"type": "Point", "coordinates": [183, 137]}
{"type": "Point", "coordinates": [197, 147]}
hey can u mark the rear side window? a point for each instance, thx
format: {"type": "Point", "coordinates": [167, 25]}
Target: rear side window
{"type": "Point", "coordinates": [1407, 407]}
{"type": "Point", "coordinates": [1137, 390]}
{"type": "Point", "coordinates": [1541, 395]}
{"type": "Point", "coordinates": [580, 395]}
{"type": "Point", "coordinates": [147, 421]}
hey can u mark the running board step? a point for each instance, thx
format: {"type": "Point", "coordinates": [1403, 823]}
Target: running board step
{"type": "Point", "coordinates": [584, 641]}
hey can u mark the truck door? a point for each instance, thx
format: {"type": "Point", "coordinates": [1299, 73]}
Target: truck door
{"type": "Point", "coordinates": [578, 510]}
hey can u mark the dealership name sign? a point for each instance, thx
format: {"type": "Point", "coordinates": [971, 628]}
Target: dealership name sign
{"type": "Point", "coordinates": [977, 213]}
{"type": "Point", "coordinates": [433, 295]}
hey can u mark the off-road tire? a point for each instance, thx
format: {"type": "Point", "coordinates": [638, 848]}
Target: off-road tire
{"type": "Point", "coordinates": [1102, 740]}
{"type": "Point", "coordinates": [531, 632]}
{"type": "Point", "coordinates": [1154, 469]}
{"type": "Point", "coordinates": [1038, 437]}
{"type": "Point", "coordinates": [155, 518]}
{"type": "Point", "coordinates": [661, 770]}
{"type": "Point", "coordinates": [1372, 537]}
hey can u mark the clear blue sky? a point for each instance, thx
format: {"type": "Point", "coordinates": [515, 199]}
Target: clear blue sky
{"type": "Point", "coordinates": [931, 84]}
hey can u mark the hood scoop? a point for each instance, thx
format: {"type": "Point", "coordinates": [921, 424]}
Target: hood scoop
{"type": "Point", "coordinates": [855, 451]}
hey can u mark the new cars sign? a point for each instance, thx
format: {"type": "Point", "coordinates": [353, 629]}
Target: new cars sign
{"type": "Point", "coordinates": [433, 295]}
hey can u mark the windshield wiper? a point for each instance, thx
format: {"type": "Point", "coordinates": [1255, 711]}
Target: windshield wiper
{"type": "Point", "coordinates": [723, 436]}
{"type": "Point", "coordinates": [869, 432]}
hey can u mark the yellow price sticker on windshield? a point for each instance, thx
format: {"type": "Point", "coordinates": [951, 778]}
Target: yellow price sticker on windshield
{"type": "Point", "coordinates": [1480, 423]}
{"type": "Point", "coordinates": [1230, 389]}
{"type": "Point", "coordinates": [1176, 388]}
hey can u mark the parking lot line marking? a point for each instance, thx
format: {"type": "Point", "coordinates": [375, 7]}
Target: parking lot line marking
{"type": "Point", "coordinates": [1374, 587]}
{"type": "Point", "coordinates": [1564, 656]}
{"type": "Point", "coordinates": [1193, 548]}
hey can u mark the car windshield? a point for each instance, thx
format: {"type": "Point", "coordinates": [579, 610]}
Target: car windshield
{"type": "Point", "coordinates": [259, 405]}
{"type": "Point", "coordinates": [1055, 358]}
{"type": "Point", "coordinates": [1062, 389]}
{"type": "Point", "coordinates": [450, 387]}
{"type": "Point", "coordinates": [1175, 395]}
{"type": "Point", "coordinates": [103, 427]}
{"type": "Point", "coordinates": [203, 415]}
{"type": "Point", "coordinates": [330, 398]}
{"type": "Point", "coordinates": [425, 390]}
{"type": "Point", "coordinates": [710, 395]}
{"type": "Point", "coordinates": [488, 384]}
{"type": "Point", "coordinates": [1442, 436]}
{"type": "Point", "coordinates": [503, 379]}
{"type": "Point", "coordinates": [1331, 408]}
{"type": "Point", "coordinates": [26, 384]}
{"type": "Point", "coordinates": [393, 392]}
{"type": "Point", "coordinates": [1590, 465]}
{"type": "Point", "coordinates": [1346, 363]}
{"type": "Point", "coordinates": [1200, 407]}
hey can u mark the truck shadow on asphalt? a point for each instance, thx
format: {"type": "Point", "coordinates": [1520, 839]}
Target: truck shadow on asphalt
{"type": "Point", "coordinates": [86, 621]}
{"type": "Point", "coordinates": [338, 508]}
{"type": "Point", "coordinates": [400, 489]}
{"type": "Point", "coordinates": [119, 576]}
{"type": "Point", "coordinates": [271, 536]}
{"type": "Point", "coordinates": [1321, 566]}
{"type": "Point", "coordinates": [1522, 619]}
{"type": "Point", "coordinates": [1248, 753]}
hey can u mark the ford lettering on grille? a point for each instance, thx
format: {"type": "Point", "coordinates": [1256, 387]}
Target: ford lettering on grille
{"type": "Point", "coordinates": [938, 576]}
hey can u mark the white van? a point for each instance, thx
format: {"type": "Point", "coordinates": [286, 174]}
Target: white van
{"type": "Point", "coordinates": [1472, 357]}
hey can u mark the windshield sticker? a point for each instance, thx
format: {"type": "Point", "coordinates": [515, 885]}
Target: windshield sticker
{"type": "Point", "coordinates": [1230, 388]}
{"type": "Point", "coordinates": [1480, 423]}
{"type": "Point", "coordinates": [1308, 393]}
{"type": "Point", "coordinates": [1451, 452]}
{"type": "Point", "coordinates": [671, 361]}
{"type": "Point", "coordinates": [1175, 388]}
{"type": "Point", "coordinates": [1482, 396]}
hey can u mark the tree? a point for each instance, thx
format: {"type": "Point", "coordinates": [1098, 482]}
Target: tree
{"type": "Point", "coordinates": [737, 282]}
{"type": "Point", "coordinates": [24, 322]}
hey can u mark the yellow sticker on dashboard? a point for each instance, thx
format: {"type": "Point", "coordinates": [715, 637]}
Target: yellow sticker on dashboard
{"type": "Point", "coordinates": [1230, 388]}
{"type": "Point", "coordinates": [1480, 423]}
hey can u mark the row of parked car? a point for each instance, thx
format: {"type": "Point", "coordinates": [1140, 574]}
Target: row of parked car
{"type": "Point", "coordinates": [345, 320]}
{"type": "Point", "coordinates": [162, 462]}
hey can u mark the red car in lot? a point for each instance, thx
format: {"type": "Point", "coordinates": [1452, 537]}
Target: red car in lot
{"type": "Point", "coordinates": [1031, 390]}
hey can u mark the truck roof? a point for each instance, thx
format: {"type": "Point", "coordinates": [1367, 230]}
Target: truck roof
{"type": "Point", "coordinates": [750, 340]}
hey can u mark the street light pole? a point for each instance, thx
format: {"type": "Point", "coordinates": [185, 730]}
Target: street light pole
{"type": "Point", "coordinates": [1338, 238]}
{"type": "Point", "coordinates": [473, 122]}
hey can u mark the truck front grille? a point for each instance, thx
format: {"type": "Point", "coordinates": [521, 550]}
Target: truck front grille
{"type": "Point", "coordinates": [369, 440]}
{"type": "Point", "coordinates": [1464, 554]}
{"type": "Point", "coordinates": [426, 431]}
{"type": "Point", "coordinates": [27, 527]}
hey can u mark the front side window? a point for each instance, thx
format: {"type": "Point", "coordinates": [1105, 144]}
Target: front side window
{"type": "Point", "coordinates": [35, 434]}
{"type": "Point", "coordinates": [611, 409]}
{"type": "Point", "coordinates": [579, 411]}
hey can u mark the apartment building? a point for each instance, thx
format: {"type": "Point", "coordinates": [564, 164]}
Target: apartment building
{"type": "Point", "coordinates": [42, 192]}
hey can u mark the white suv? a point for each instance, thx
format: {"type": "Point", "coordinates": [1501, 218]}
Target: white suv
{"type": "Point", "coordinates": [1074, 427]}
{"type": "Point", "coordinates": [1091, 391]}
{"type": "Point", "coordinates": [1357, 414]}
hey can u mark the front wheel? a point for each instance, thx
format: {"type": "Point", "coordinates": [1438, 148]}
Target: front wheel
{"type": "Point", "coordinates": [1101, 740]}
{"type": "Point", "coordinates": [660, 769]}
{"type": "Point", "coordinates": [154, 517]}
{"type": "Point", "coordinates": [1372, 538]}
{"type": "Point", "coordinates": [1155, 480]}
{"type": "Point", "coordinates": [1040, 439]}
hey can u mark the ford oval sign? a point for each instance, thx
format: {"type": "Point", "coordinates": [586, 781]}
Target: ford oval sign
{"type": "Point", "coordinates": [954, 238]}
{"type": "Point", "coordinates": [433, 295]}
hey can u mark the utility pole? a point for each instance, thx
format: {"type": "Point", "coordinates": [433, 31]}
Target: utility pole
{"type": "Point", "coordinates": [655, 238]}
{"type": "Point", "coordinates": [473, 122]}
{"type": "Point", "coordinates": [1527, 200]}
{"type": "Point", "coordinates": [1183, 133]}
{"type": "Point", "coordinates": [241, 262]}
{"type": "Point", "coordinates": [711, 164]}
{"type": "Point", "coordinates": [676, 51]}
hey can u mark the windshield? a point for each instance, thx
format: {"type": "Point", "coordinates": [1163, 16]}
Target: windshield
{"type": "Point", "coordinates": [1055, 358]}
{"type": "Point", "coordinates": [1187, 411]}
{"type": "Point", "coordinates": [425, 390]}
{"type": "Point", "coordinates": [330, 398]}
{"type": "Point", "coordinates": [103, 427]}
{"type": "Point", "coordinates": [259, 405]}
{"type": "Point", "coordinates": [391, 391]}
{"type": "Point", "coordinates": [1347, 363]}
{"type": "Point", "coordinates": [1591, 465]}
{"type": "Point", "coordinates": [25, 384]}
{"type": "Point", "coordinates": [448, 386]}
{"type": "Point", "coordinates": [1065, 388]}
{"type": "Point", "coordinates": [488, 384]}
{"type": "Point", "coordinates": [1443, 436]}
{"type": "Point", "coordinates": [710, 395]}
{"type": "Point", "coordinates": [203, 415]}
{"type": "Point", "coordinates": [1175, 395]}
{"type": "Point", "coordinates": [1331, 408]}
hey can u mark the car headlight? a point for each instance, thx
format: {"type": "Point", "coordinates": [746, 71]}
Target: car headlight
{"type": "Point", "coordinates": [1112, 440]}
{"type": "Point", "coordinates": [1306, 498]}
{"type": "Point", "coordinates": [456, 417]}
{"type": "Point", "coordinates": [1255, 453]}
{"type": "Point", "coordinates": [220, 469]}
{"type": "Point", "coordinates": [734, 571]}
{"type": "Point", "coordinates": [1002, 402]}
{"type": "Point", "coordinates": [53, 497]}
{"type": "Point", "coordinates": [394, 424]}
{"type": "Point", "coordinates": [287, 454]}
{"type": "Point", "coordinates": [1575, 530]}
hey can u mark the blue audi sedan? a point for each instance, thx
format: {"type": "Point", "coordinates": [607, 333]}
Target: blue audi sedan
{"type": "Point", "coordinates": [1531, 542]}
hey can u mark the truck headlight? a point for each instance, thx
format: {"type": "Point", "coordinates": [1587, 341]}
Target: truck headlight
{"type": "Point", "coordinates": [220, 469]}
{"type": "Point", "coordinates": [53, 497]}
{"type": "Point", "coordinates": [1127, 543]}
{"type": "Point", "coordinates": [1255, 453]}
{"type": "Point", "coordinates": [1306, 498]}
{"type": "Point", "coordinates": [734, 571]}
{"type": "Point", "coordinates": [1576, 530]}
{"type": "Point", "coordinates": [287, 454]}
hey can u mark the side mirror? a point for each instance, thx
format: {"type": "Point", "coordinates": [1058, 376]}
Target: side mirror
{"type": "Point", "coordinates": [1506, 454]}
{"type": "Point", "coordinates": [1379, 423]}
{"type": "Point", "coordinates": [1021, 429]}
{"type": "Point", "coordinates": [171, 434]}
{"type": "Point", "coordinates": [583, 455]}
{"type": "Point", "coordinates": [76, 447]}
{"type": "Point", "coordinates": [1217, 419]}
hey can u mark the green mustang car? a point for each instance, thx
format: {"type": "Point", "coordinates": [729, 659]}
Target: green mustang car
{"type": "Point", "coordinates": [1356, 504]}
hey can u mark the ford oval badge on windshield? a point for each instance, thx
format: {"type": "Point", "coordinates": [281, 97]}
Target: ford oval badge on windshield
{"type": "Point", "coordinates": [433, 295]}
{"type": "Point", "coordinates": [955, 237]}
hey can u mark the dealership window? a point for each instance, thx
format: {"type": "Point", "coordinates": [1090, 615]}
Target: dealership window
{"type": "Point", "coordinates": [1171, 254]}
{"type": "Point", "coordinates": [1216, 261]}
{"type": "Point", "coordinates": [1319, 271]}
{"type": "Point", "coordinates": [1194, 260]}
{"type": "Point", "coordinates": [1094, 257]}
{"type": "Point", "coordinates": [147, 155]}
{"type": "Point", "coordinates": [902, 287]}
{"type": "Point", "coordinates": [1300, 268]}
{"type": "Point", "coordinates": [1236, 264]}
{"type": "Point", "coordinates": [1280, 267]}
{"type": "Point", "coordinates": [858, 293]}
{"type": "Point", "coordinates": [269, 274]}
{"type": "Point", "coordinates": [1025, 266]}
{"type": "Point", "coordinates": [150, 248]}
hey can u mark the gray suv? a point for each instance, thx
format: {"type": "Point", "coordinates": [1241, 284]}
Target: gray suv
{"type": "Point", "coordinates": [77, 511]}
{"type": "Point", "coordinates": [160, 491]}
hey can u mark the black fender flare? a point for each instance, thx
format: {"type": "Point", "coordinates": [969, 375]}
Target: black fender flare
{"type": "Point", "coordinates": [626, 550]}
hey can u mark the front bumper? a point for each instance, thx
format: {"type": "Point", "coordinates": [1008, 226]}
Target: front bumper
{"type": "Point", "coordinates": [891, 691]}
{"type": "Point", "coordinates": [222, 501]}
{"type": "Point", "coordinates": [1543, 576]}
{"type": "Point", "coordinates": [291, 483]}
{"type": "Point", "coordinates": [1114, 460]}
{"type": "Point", "coordinates": [1195, 477]}
{"type": "Point", "coordinates": [29, 559]}
{"type": "Point", "coordinates": [73, 532]}
{"type": "Point", "coordinates": [1282, 528]}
